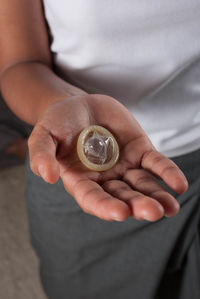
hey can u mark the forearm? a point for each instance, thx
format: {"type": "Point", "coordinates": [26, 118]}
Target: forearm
{"type": "Point", "coordinates": [28, 88]}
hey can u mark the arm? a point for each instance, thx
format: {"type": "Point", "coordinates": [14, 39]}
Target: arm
{"type": "Point", "coordinates": [27, 81]}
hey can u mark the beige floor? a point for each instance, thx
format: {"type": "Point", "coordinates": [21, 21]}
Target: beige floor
{"type": "Point", "coordinates": [18, 263]}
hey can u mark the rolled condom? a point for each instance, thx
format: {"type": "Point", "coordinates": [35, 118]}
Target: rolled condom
{"type": "Point", "coordinates": [97, 148]}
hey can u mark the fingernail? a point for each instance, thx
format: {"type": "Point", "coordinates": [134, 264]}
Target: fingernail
{"type": "Point", "coordinates": [116, 217]}
{"type": "Point", "coordinates": [176, 210]}
{"type": "Point", "coordinates": [177, 206]}
{"type": "Point", "coordinates": [144, 216]}
{"type": "Point", "coordinates": [119, 220]}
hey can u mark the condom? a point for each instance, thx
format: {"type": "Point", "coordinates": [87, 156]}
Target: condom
{"type": "Point", "coordinates": [97, 148]}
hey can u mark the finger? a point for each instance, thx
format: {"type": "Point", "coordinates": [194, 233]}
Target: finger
{"type": "Point", "coordinates": [166, 169]}
{"type": "Point", "coordinates": [95, 201]}
{"type": "Point", "coordinates": [143, 182]}
{"type": "Point", "coordinates": [42, 152]}
{"type": "Point", "coordinates": [143, 207]}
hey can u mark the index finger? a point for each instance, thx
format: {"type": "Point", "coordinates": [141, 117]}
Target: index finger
{"type": "Point", "coordinates": [166, 169]}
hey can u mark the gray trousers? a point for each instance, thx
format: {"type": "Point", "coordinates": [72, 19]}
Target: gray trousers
{"type": "Point", "coordinates": [83, 257]}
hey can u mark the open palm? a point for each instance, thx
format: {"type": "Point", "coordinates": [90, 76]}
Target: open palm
{"type": "Point", "coordinates": [127, 189]}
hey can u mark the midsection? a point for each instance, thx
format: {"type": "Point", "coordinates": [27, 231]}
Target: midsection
{"type": "Point", "coordinates": [143, 54]}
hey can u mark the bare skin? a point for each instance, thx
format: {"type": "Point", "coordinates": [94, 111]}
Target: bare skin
{"type": "Point", "coordinates": [125, 190]}
{"type": "Point", "coordinates": [60, 111]}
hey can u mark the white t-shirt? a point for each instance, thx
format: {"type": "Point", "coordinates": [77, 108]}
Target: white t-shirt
{"type": "Point", "coordinates": [146, 54]}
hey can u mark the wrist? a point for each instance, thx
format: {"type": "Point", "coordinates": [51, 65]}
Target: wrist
{"type": "Point", "coordinates": [59, 97]}
{"type": "Point", "coordinates": [29, 88]}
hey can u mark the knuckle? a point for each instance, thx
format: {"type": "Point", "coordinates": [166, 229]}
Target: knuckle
{"type": "Point", "coordinates": [130, 172]}
{"type": "Point", "coordinates": [158, 158]}
{"type": "Point", "coordinates": [40, 155]}
{"type": "Point", "coordinates": [153, 156]}
{"type": "Point", "coordinates": [167, 169]}
{"type": "Point", "coordinates": [158, 193]}
{"type": "Point", "coordinates": [143, 180]}
{"type": "Point", "coordinates": [147, 154]}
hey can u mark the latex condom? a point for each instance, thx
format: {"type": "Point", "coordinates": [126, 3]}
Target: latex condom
{"type": "Point", "coordinates": [97, 148]}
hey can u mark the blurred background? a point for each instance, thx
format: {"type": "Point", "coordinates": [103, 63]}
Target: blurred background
{"type": "Point", "coordinates": [18, 263]}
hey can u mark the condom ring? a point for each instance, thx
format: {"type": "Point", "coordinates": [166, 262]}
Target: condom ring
{"type": "Point", "coordinates": [97, 148]}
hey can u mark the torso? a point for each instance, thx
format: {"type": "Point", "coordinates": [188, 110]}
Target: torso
{"type": "Point", "coordinates": [145, 55]}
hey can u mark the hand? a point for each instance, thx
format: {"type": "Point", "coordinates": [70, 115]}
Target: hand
{"type": "Point", "coordinates": [129, 188]}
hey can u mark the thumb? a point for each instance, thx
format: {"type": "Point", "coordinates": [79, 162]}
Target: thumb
{"type": "Point", "coordinates": [42, 152]}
